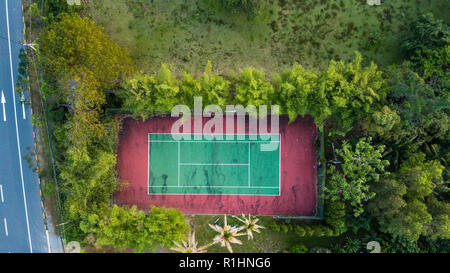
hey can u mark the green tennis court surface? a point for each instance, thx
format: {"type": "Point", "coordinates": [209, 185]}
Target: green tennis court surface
{"type": "Point", "coordinates": [218, 167]}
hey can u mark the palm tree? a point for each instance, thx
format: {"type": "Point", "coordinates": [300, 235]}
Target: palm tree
{"type": "Point", "coordinates": [227, 235]}
{"type": "Point", "coordinates": [190, 246]}
{"type": "Point", "coordinates": [250, 225]}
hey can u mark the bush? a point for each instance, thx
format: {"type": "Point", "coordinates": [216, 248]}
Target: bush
{"type": "Point", "coordinates": [299, 248]}
{"type": "Point", "coordinates": [299, 230]}
{"type": "Point", "coordinates": [274, 226]}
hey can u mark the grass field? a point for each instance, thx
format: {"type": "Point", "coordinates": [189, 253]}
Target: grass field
{"type": "Point", "coordinates": [188, 33]}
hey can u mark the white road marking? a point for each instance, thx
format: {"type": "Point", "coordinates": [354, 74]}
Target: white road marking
{"type": "Point", "coordinates": [3, 101]}
{"type": "Point", "coordinates": [22, 99]}
{"type": "Point", "coordinates": [17, 127]}
{"type": "Point", "coordinates": [6, 226]}
{"type": "Point", "coordinates": [48, 242]}
{"type": "Point", "coordinates": [1, 193]}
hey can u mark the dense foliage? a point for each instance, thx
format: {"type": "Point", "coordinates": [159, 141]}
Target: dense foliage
{"type": "Point", "coordinates": [343, 94]}
{"type": "Point", "coordinates": [124, 227]}
{"type": "Point", "coordinates": [80, 62]}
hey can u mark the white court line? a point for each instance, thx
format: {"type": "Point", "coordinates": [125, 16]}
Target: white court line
{"type": "Point", "coordinates": [249, 166]}
{"type": "Point", "coordinates": [6, 226]}
{"type": "Point", "coordinates": [233, 187]}
{"type": "Point", "coordinates": [179, 151]}
{"type": "Point", "coordinates": [211, 164]}
{"type": "Point", "coordinates": [17, 127]}
{"type": "Point", "coordinates": [215, 141]}
{"type": "Point", "coordinates": [1, 193]}
{"type": "Point", "coordinates": [214, 194]}
{"type": "Point", "coordinates": [279, 169]}
{"type": "Point", "coordinates": [193, 134]}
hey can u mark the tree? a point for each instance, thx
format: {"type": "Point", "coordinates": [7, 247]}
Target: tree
{"type": "Point", "coordinates": [427, 33]}
{"type": "Point", "coordinates": [84, 61]}
{"type": "Point", "coordinates": [385, 124]}
{"type": "Point", "coordinates": [362, 165]}
{"type": "Point", "coordinates": [347, 93]}
{"type": "Point", "coordinates": [400, 205]}
{"type": "Point", "coordinates": [88, 183]}
{"type": "Point", "coordinates": [252, 88]}
{"type": "Point", "coordinates": [227, 235]}
{"type": "Point", "coordinates": [335, 216]}
{"type": "Point", "coordinates": [77, 44]}
{"type": "Point", "coordinates": [423, 112]}
{"type": "Point", "coordinates": [124, 227]}
{"type": "Point", "coordinates": [250, 224]}
{"type": "Point", "coordinates": [190, 246]}
{"type": "Point", "coordinates": [213, 88]}
{"type": "Point", "coordinates": [158, 93]}
{"type": "Point", "coordinates": [296, 88]}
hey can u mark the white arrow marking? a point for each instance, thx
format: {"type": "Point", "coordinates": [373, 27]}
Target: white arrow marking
{"type": "Point", "coordinates": [3, 101]}
{"type": "Point", "coordinates": [22, 99]}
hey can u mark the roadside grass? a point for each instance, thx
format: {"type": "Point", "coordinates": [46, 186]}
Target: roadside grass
{"type": "Point", "coordinates": [188, 33]}
{"type": "Point", "coordinates": [268, 241]}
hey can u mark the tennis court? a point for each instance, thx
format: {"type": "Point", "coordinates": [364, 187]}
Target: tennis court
{"type": "Point", "coordinates": [213, 165]}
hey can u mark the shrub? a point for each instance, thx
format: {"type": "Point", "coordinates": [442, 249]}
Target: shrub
{"type": "Point", "coordinates": [299, 248]}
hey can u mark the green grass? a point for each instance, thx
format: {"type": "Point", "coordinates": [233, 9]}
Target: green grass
{"type": "Point", "coordinates": [188, 33]}
{"type": "Point", "coordinates": [268, 241]}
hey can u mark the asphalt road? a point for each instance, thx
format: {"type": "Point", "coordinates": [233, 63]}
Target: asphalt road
{"type": "Point", "coordinates": [22, 228]}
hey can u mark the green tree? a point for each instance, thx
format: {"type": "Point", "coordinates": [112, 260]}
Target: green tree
{"type": "Point", "coordinates": [424, 114]}
{"type": "Point", "coordinates": [400, 204]}
{"type": "Point", "coordinates": [335, 213]}
{"type": "Point", "coordinates": [76, 43]}
{"type": "Point", "coordinates": [84, 62]}
{"type": "Point", "coordinates": [427, 33]}
{"type": "Point", "coordinates": [88, 183]}
{"type": "Point", "coordinates": [156, 93]}
{"type": "Point", "coordinates": [297, 93]}
{"type": "Point", "coordinates": [353, 92]}
{"type": "Point", "coordinates": [213, 88]}
{"type": "Point", "coordinates": [124, 227]}
{"type": "Point", "coordinates": [362, 165]}
{"type": "Point", "coordinates": [252, 88]}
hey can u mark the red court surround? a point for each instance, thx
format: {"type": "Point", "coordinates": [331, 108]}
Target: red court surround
{"type": "Point", "coordinates": [298, 174]}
